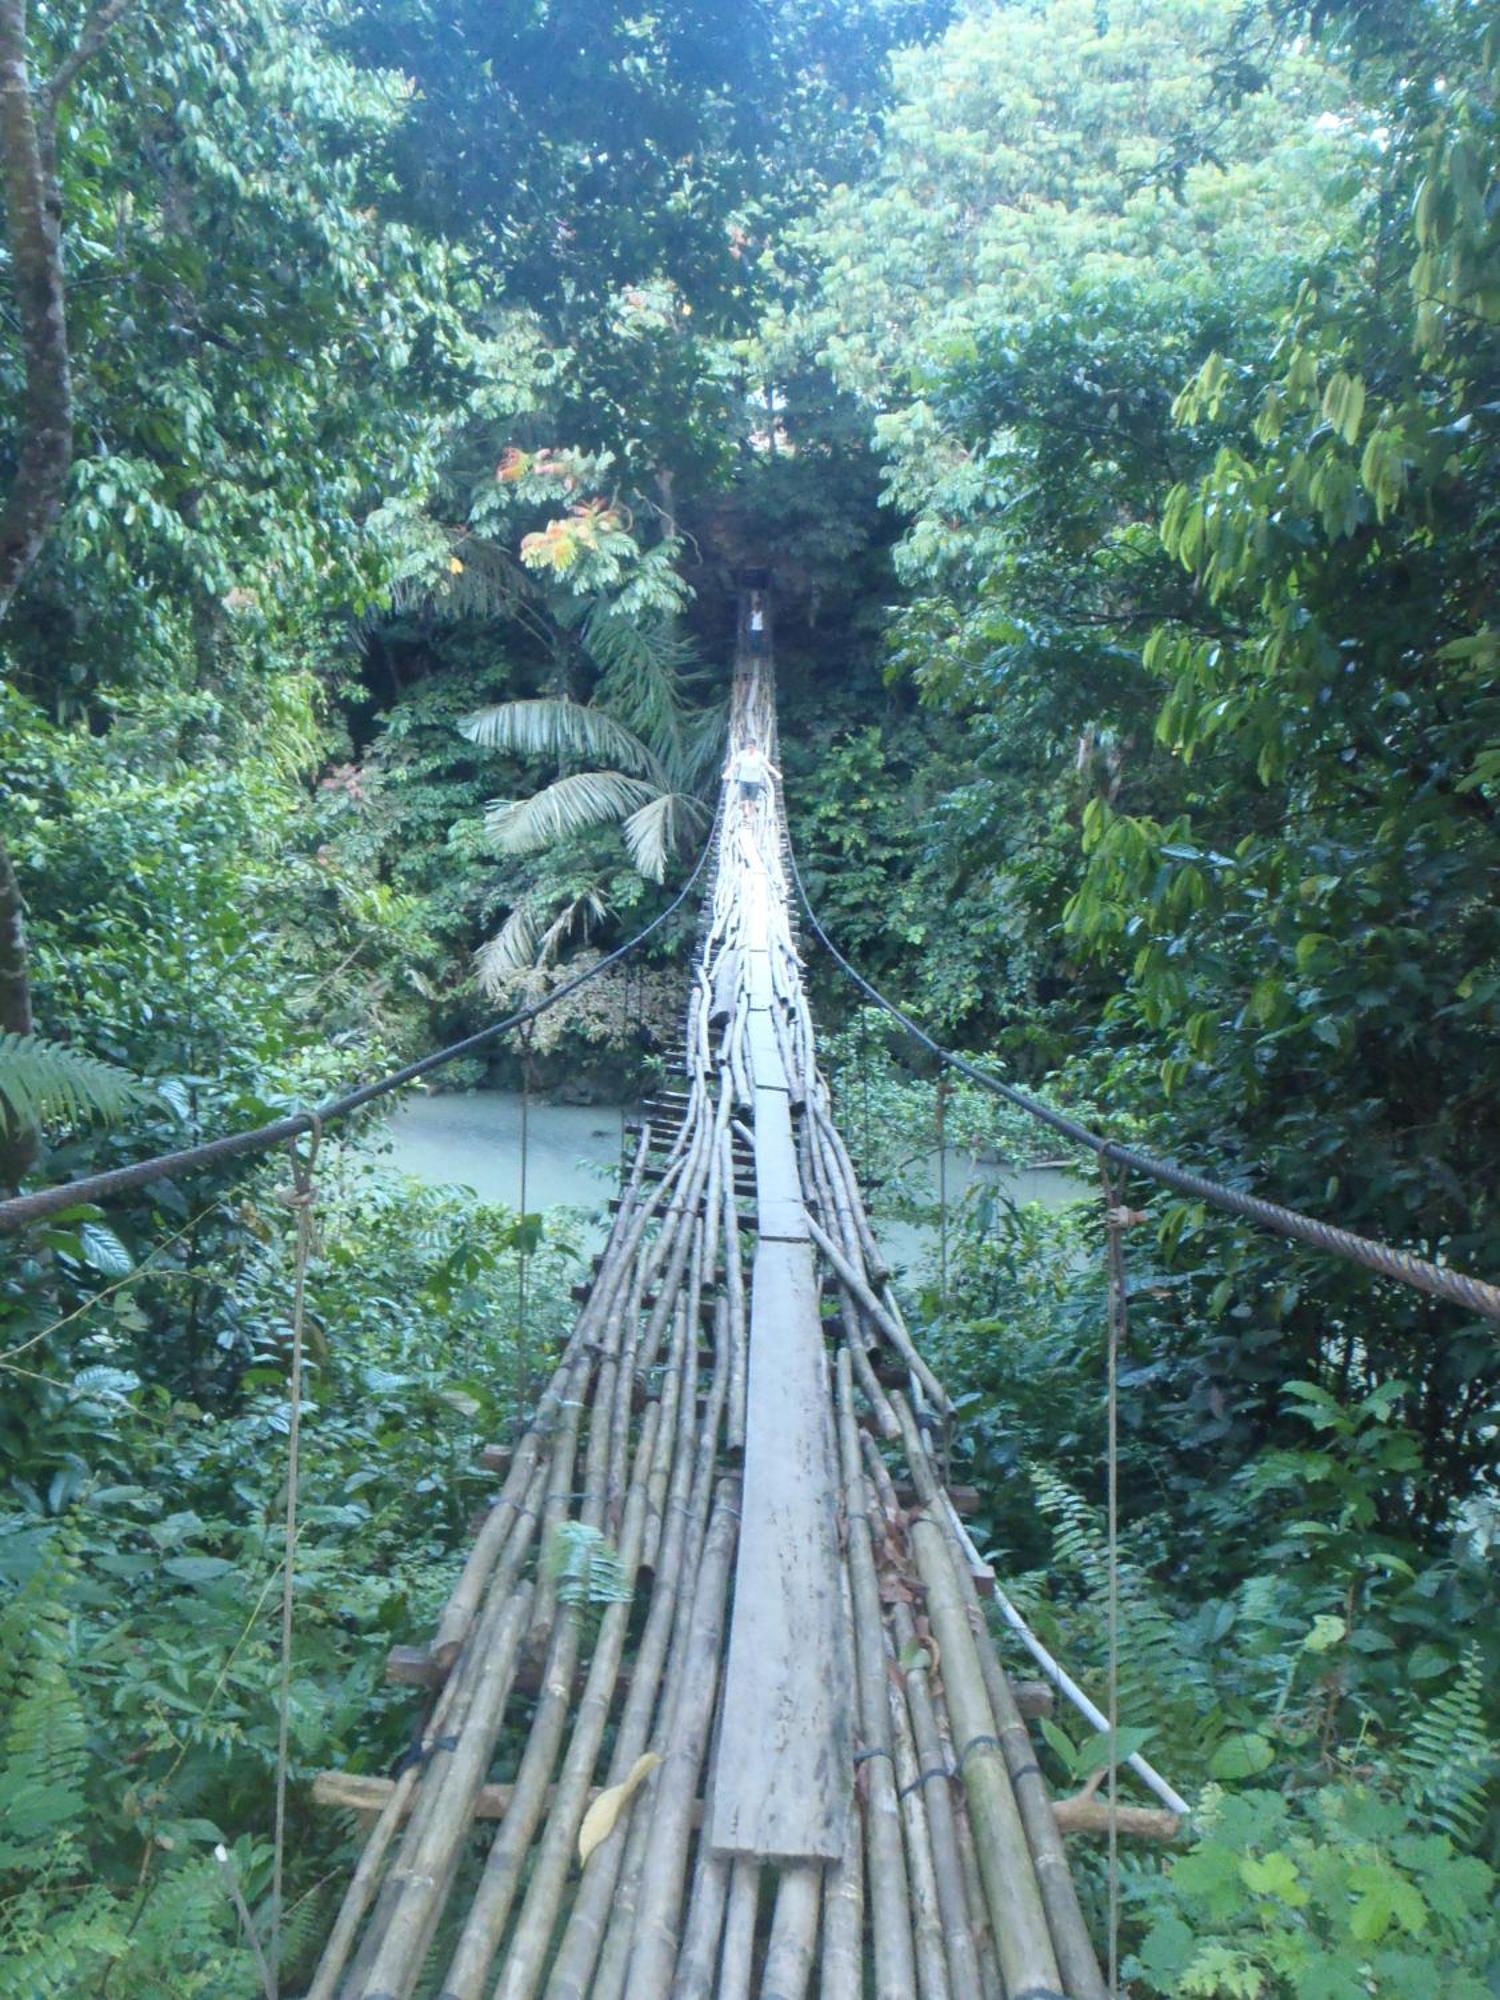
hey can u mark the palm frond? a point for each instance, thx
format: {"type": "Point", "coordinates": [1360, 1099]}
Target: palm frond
{"type": "Point", "coordinates": [653, 832]}
{"type": "Point", "coordinates": [576, 918]}
{"type": "Point", "coordinates": [566, 806]}
{"type": "Point", "coordinates": [479, 579]}
{"type": "Point", "coordinates": [552, 726]}
{"type": "Point", "coordinates": [511, 950]}
{"type": "Point", "coordinates": [42, 1080]}
{"type": "Point", "coordinates": [704, 743]}
{"type": "Point", "coordinates": [645, 665]}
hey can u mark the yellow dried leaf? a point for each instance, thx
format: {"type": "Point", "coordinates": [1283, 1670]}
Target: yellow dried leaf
{"type": "Point", "coordinates": [455, 567]}
{"type": "Point", "coordinates": [599, 1820]}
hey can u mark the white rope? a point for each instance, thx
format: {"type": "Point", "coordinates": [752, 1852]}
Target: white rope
{"type": "Point", "coordinates": [1114, 1221]}
{"type": "Point", "coordinates": [300, 1198]}
{"type": "Point", "coordinates": [523, 1265]}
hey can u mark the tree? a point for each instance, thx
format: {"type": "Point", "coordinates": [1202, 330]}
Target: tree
{"type": "Point", "coordinates": [33, 204]}
{"type": "Point", "coordinates": [1306, 937]}
{"type": "Point", "coordinates": [1063, 219]}
{"type": "Point", "coordinates": [252, 355]}
{"type": "Point", "coordinates": [657, 753]}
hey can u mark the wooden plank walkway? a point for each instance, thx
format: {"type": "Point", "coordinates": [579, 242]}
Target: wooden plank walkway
{"type": "Point", "coordinates": [782, 1781]}
{"type": "Point", "coordinates": [778, 1195]}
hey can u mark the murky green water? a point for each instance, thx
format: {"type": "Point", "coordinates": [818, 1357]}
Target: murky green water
{"type": "Point", "coordinates": [473, 1140]}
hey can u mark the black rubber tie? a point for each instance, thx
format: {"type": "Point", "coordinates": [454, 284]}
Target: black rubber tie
{"type": "Point", "coordinates": [863, 1756]}
{"type": "Point", "coordinates": [987, 1743]}
{"type": "Point", "coordinates": [924, 1777]}
{"type": "Point", "coordinates": [418, 1753]}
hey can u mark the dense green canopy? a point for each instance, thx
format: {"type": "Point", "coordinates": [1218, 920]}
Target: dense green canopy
{"type": "Point", "coordinates": [1113, 390]}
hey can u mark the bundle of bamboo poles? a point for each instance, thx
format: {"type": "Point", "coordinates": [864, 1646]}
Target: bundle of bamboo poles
{"type": "Point", "coordinates": [953, 1882]}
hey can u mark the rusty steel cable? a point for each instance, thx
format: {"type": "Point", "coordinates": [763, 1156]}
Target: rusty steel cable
{"type": "Point", "coordinates": [1403, 1267]}
{"type": "Point", "coordinates": [23, 1209]}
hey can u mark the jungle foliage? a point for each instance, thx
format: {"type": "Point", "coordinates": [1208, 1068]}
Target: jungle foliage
{"type": "Point", "coordinates": [1113, 390]}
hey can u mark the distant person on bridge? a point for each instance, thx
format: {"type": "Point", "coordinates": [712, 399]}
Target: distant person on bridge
{"type": "Point", "coordinates": [752, 770]}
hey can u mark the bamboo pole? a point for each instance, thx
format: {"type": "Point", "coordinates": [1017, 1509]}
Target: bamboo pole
{"type": "Point", "coordinates": [676, 1784]}
{"type": "Point", "coordinates": [583, 1937]}
{"type": "Point", "coordinates": [608, 1982]}
{"type": "Point", "coordinates": [990, 1983]}
{"type": "Point", "coordinates": [699, 1951]}
{"type": "Point", "coordinates": [841, 1968]}
{"type": "Point", "coordinates": [1075, 1951]}
{"type": "Point", "coordinates": [568, 1802]}
{"type": "Point", "coordinates": [366, 1877]}
{"type": "Point", "coordinates": [927, 1923]}
{"type": "Point", "coordinates": [882, 1317]}
{"type": "Point", "coordinates": [895, 1965]}
{"type": "Point", "coordinates": [427, 1799]}
{"type": "Point", "coordinates": [1022, 1935]}
{"type": "Point", "coordinates": [739, 1324]}
{"type": "Point", "coordinates": [737, 1959]}
{"type": "Point", "coordinates": [794, 1934]}
{"type": "Point", "coordinates": [817, 1188]}
{"type": "Point", "coordinates": [422, 1884]}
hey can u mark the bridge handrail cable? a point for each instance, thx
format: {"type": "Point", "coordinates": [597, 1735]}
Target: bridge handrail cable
{"type": "Point", "coordinates": [1440, 1280]}
{"type": "Point", "coordinates": [23, 1209]}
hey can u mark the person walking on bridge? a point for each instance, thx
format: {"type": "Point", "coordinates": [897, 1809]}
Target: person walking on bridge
{"type": "Point", "coordinates": [752, 770]}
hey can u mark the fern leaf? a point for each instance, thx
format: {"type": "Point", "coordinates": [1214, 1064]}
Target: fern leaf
{"type": "Point", "coordinates": [588, 1571]}
{"type": "Point", "coordinates": [42, 1080]}
{"type": "Point", "coordinates": [1448, 1759]}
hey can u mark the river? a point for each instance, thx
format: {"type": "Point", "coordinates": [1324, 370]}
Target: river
{"type": "Point", "coordinates": [473, 1140]}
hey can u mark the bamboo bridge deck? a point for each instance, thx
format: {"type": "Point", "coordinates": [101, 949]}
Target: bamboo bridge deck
{"type": "Point", "coordinates": [827, 1784]}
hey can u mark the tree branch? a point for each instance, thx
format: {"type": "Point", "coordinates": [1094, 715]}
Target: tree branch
{"type": "Point", "coordinates": [94, 33]}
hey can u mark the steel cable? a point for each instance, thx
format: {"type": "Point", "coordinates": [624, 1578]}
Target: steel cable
{"type": "Point", "coordinates": [1403, 1266]}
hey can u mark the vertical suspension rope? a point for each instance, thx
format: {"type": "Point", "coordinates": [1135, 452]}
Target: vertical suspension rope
{"type": "Point", "coordinates": [624, 1037]}
{"type": "Point", "coordinates": [942, 1139]}
{"type": "Point", "coordinates": [1115, 1218]}
{"type": "Point", "coordinates": [299, 1197]}
{"type": "Point", "coordinates": [523, 1343]}
{"type": "Point", "coordinates": [864, 1080]}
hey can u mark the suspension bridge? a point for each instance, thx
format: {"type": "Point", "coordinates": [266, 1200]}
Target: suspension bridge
{"type": "Point", "coordinates": [791, 1722]}
{"type": "Point", "coordinates": [716, 1706]}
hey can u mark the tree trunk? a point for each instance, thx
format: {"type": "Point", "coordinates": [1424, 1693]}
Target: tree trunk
{"type": "Point", "coordinates": [18, 1144]}
{"type": "Point", "coordinates": [33, 228]}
